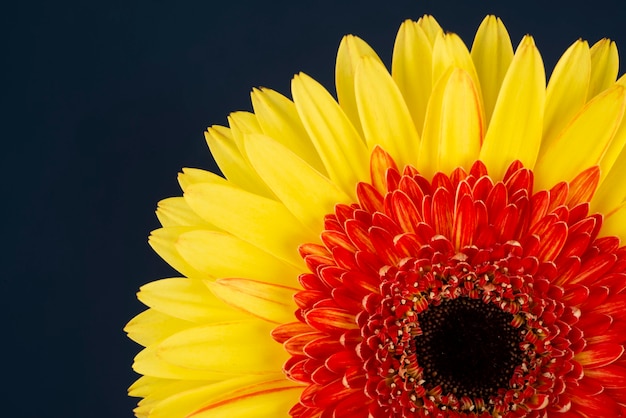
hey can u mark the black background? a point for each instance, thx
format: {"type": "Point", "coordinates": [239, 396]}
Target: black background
{"type": "Point", "coordinates": [103, 103]}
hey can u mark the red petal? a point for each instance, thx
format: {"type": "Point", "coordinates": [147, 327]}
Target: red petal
{"type": "Point", "coordinates": [575, 295]}
{"type": "Point", "coordinates": [339, 362]}
{"type": "Point", "coordinates": [344, 258]}
{"type": "Point", "coordinates": [359, 284]}
{"type": "Point", "coordinates": [592, 269]}
{"type": "Point", "coordinates": [611, 376]}
{"type": "Point", "coordinates": [401, 208]}
{"type": "Point", "coordinates": [506, 222]}
{"type": "Point", "coordinates": [334, 239]}
{"type": "Point", "coordinates": [306, 298]}
{"type": "Point", "coordinates": [576, 245]}
{"type": "Point", "coordinates": [380, 161]}
{"type": "Point", "coordinates": [285, 331]}
{"type": "Point", "coordinates": [330, 320]}
{"type": "Point", "coordinates": [497, 200]}
{"type": "Point", "coordinates": [585, 226]}
{"type": "Point", "coordinates": [322, 376]}
{"type": "Point", "coordinates": [354, 405]}
{"type": "Point", "coordinates": [522, 179]}
{"type": "Point", "coordinates": [357, 232]}
{"type": "Point", "coordinates": [539, 204]}
{"type": "Point", "coordinates": [313, 262]}
{"type": "Point", "coordinates": [295, 344]}
{"type": "Point", "coordinates": [383, 243]}
{"type": "Point", "coordinates": [597, 296]}
{"type": "Point", "coordinates": [512, 169]}
{"type": "Point", "coordinates": [458, 175]}
{"type": "Point", "coordinates": [590, 386]}
{"type": "Point", "coordinates": [478, 169]}
{"type": "Point", "coordinates": [442, 212]}
{"type": "Point", "coordinates": [607, 244]}
{"type": "Point", "coordinates": [369, 198]}
{"type": "Point", "coordinates": [558, 195]}
{"type": "Point", "coordinates": [313, 249]}
{"type": "Point", "coordinates": [413, 190]}
{"type": "Point", "coordinates": [331, 275]}
{"type": "Point", "coordinates": [599, 405]}
{"type": "Point", "coordinates": [614, 306]}
{"type": "Point", "coordinates": [482, 188]}
{"type": "Point", "coordinates": [599, 355]}
{"type": "Point", "coordinates": [392, 179]}
{"type": "Point", "coordinates": [552, 241]}
{"type": "Point", "coordinates": [594, 323]}
{"type": "Point", "coordinates": [343, 213]}
{"type": "Point", "coordinates": [578, 212]}
{"type": "Point", "coordinates": [583, 187]}
{"type": "Point", "coordinates": [331, 393]}
{"type": "Point", "coordinates": [355, 377]}
{"type": "Point", "coordinates": [347, 299]}
{"type": "Point", "coordinates": [381, 220]}
{"type": "Point", "coordinates": [441, 181]}
{"type": "Point", "coordinates": [464, 222]}
{"type": "Point", "coordinates": [368, 263]}
{"type": "Point", "coordinates": [568, 269]}
{"type": "Point", "coordinates": [321, 348]}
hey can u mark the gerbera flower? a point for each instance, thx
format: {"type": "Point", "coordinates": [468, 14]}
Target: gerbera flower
{"type": "Point", "coordinates": [442, 241]}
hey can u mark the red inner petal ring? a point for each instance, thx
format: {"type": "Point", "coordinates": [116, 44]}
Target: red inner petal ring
{"type": "Point", "coordinates": [459, 296]}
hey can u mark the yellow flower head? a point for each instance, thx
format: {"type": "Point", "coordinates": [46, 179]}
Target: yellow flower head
{"type": "Point", "coordinates": [440, 241]}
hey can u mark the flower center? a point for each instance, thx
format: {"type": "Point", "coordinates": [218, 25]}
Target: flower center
{"type": "Point", "coordinates": [468, 347]}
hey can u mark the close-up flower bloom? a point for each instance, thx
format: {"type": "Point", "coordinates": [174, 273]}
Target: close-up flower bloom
{"type": "Point", "coordinates": [443, 240]}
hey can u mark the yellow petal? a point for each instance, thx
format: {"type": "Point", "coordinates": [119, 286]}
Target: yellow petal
{"type": "Point", "coordinates": [243, 123]}
{"type": "Point", "coordinates": [351, 50]}
{"type": "Point", "coordinates": [615, 224]}
{"type": "Point", "coordinates": [308, 195]}
{"type": "Point", "coordinates": [611, 192]}
{"type": "Point", "coordinates": [604, 66]}
{"type": "Point", "coordinates": [142, 411]}
{"type": "Point", "coordinates": [150, 363]}
{"type": "Point", "coordinates": [267, 301]}
{"type": "Point", "coordinates": [174, 211]}
{"type": "Point", "coordinates": [514, 132]}
{"type": "Point", "coordinates": [411, 69]}
{"type": "Point", "coordinates": [185, 403]}
{"type": "Point", "coordinates": [453, 129]}
{"type": "Point", "coordinates": [233, 163]}
{"type": "Point", "coordinates": [384, 115]}
{"type": "Point", "coordinates": [235, 347]}
{"type": "Point", "coordinates": [430, 26]}
{"type": "Point", "coordinates": [581, 144]}
{"type": "Point", "coordinates": [610, 157]}
{"type": "Point", "coordinates": [186, 299]}
{"type": "Point", "coordinates": [262, 222]}
{"type": "Point", "coordinates": [219, 254]}
{"type": "Point", "coordinates": [163, 242]}
{"type": "Point", "coordinates": [340, 147]}
{"type": "Point", "coordinates": [492, 54]}
{"type": "Point", "coordinates": [450, 51]}
{"type": "Point", "coordinates": [567, 90]}
{"type": "Point", "coordinates": [278, 118]}
{"type": "Point", "coordinates": [269, 400]}
{"type": "Point", "coordinates": [145, 387]}
{"type": "Point", "coordinates": [162, 389]}
{"type": "Point", "coordinates": [147, 384]}
{"type": "Point", "coordinates": [152, 326]}
{"type": "Point", "coordinates": [191, 176]}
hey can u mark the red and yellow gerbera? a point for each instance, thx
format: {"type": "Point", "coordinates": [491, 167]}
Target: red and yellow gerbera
{"type": "Point", "coordinates": [442, 241]}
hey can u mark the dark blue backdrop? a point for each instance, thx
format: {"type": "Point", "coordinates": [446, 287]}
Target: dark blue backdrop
{"type": "Point", "coordinates": [104, 103]}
